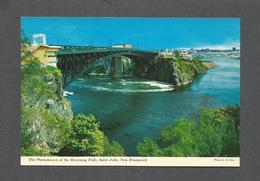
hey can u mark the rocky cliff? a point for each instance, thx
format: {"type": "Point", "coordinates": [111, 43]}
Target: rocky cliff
{"type": "Point", "coordinates": [45, 114]}
{"type": "Point", "coordinates": [177, 71]}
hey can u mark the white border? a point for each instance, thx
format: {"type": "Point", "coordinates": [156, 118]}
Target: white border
{"type": "Point", "coordinates": [132, 161]}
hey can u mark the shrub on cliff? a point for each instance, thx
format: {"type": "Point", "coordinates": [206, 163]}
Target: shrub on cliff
{"type": "Point", "coordinates": [187, 69]}
{"type": "Point", "coordinates": [215, 134]}
{"type": "Point", "coordinates": [88, 140]}
{"type": "Point", "coordinates": [34, 85]}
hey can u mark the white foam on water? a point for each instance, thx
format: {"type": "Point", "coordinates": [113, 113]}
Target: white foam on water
{"type": "Point", "coordinates": [157, 84]}
{"type": "Point", "coordinates": [150, 86]}
{"type": "Point", "coordinates": [150, 83]}
{"type": "Point", "coordinates": [98, 88]}
{"type": "Point", "coordinates": [162, 87]}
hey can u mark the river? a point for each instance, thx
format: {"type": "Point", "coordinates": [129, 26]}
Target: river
{"type": "Point", "coordinates": [131, 109]}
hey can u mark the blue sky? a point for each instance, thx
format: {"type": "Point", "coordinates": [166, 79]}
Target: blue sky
{"type": "Point", "coordinates": [143, 33]}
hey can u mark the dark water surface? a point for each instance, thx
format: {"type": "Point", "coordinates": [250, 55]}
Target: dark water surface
{"type": "Point", "coordinates": [131, 109]}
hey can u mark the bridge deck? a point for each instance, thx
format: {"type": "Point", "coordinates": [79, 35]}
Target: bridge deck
{"type": "Point", "coordinates": [102, 50]}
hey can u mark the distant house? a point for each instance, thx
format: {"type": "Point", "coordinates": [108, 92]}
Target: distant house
{"type": "Point", "coordinates": [122, 46]}
{"type": "Point", "coordinates": [167, 53]}
{"type": "Point", "coordinates": [185, 54]}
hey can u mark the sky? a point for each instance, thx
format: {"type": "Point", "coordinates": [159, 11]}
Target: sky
{"type": "Point", "coordinates": [142, 33]}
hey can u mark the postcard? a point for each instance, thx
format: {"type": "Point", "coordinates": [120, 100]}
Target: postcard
{"type": "Point", "coordinates": [130, 91]}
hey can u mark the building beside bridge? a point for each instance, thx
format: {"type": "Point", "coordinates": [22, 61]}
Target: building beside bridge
{"type": "Point", "coordinates": [45, 53]}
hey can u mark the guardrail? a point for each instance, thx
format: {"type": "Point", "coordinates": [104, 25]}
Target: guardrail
{"type": "Point", "coordinates": [76, 50]}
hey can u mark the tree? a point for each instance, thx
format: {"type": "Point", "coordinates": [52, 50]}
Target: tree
{"type": "Point", "coordinates": [148, 148]}
{"type": "Point", "coordinates": [86, 138]}
{"type": "Point", "coordinates": [178, 139]}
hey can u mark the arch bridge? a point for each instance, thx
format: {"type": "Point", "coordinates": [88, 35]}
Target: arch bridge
{"type": "Point", "coordinates": [74, 60]}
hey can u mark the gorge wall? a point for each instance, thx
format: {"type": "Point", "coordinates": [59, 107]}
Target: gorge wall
{"type": "Point", "coordinates": [177, 71]}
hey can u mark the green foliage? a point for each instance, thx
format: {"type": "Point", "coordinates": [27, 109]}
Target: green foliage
{"type": "Point", "coordinates": [34, 85]}
{"type": "Point", "coordinates": [216, 134]}
{"type": "Point", "coordinates": [231, 130]}
{"type": "Point", "coordinates": [149, 148]}
{"type": "Point", "coordinates": [180, 150]}
{"type": "Point", "coordinates": [198, 66]}
{"type": "Point", "coordinates": [180, 132]}
{"type": "Point", "coordinates": [176, 70]}
{"type": "Point", "coordinates": [86, 138]}
{"type": "Point", "coordinates": [46, 128]}
{"type": "Point", "coordinates": [34, 68]}
{"type": "Point", "coordinates": [43, 132]}
{"type": "Point", "coordinates": [189, 68]}
{"type": "Point", "coordinates": [53, 70]}
{"type": "Point", "coordinates": [112, 148]}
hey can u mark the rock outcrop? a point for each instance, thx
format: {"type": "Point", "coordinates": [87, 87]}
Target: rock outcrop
{"type": "Point", "coordinates": [177, 71]}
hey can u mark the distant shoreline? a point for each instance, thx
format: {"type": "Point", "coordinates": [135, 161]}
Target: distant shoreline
{"type": "Point", "coordinates": [220, 56]}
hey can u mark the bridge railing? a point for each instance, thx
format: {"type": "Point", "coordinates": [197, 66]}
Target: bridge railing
{"type": "Point", "coordinates": [90, 49]}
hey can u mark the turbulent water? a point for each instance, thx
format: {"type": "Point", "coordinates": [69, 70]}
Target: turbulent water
{"type": "Point", "coordinates": [131, 109]}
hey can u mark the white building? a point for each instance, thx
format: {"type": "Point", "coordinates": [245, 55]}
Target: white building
{"type": "Point", "coordinates": [45, 53]}
{"type": "Point", "coordinates": [39, 39]}
{"type": "Point", "coordinates": [185, 53]}
{"type": "Point", "coordinates": [167, 53]}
